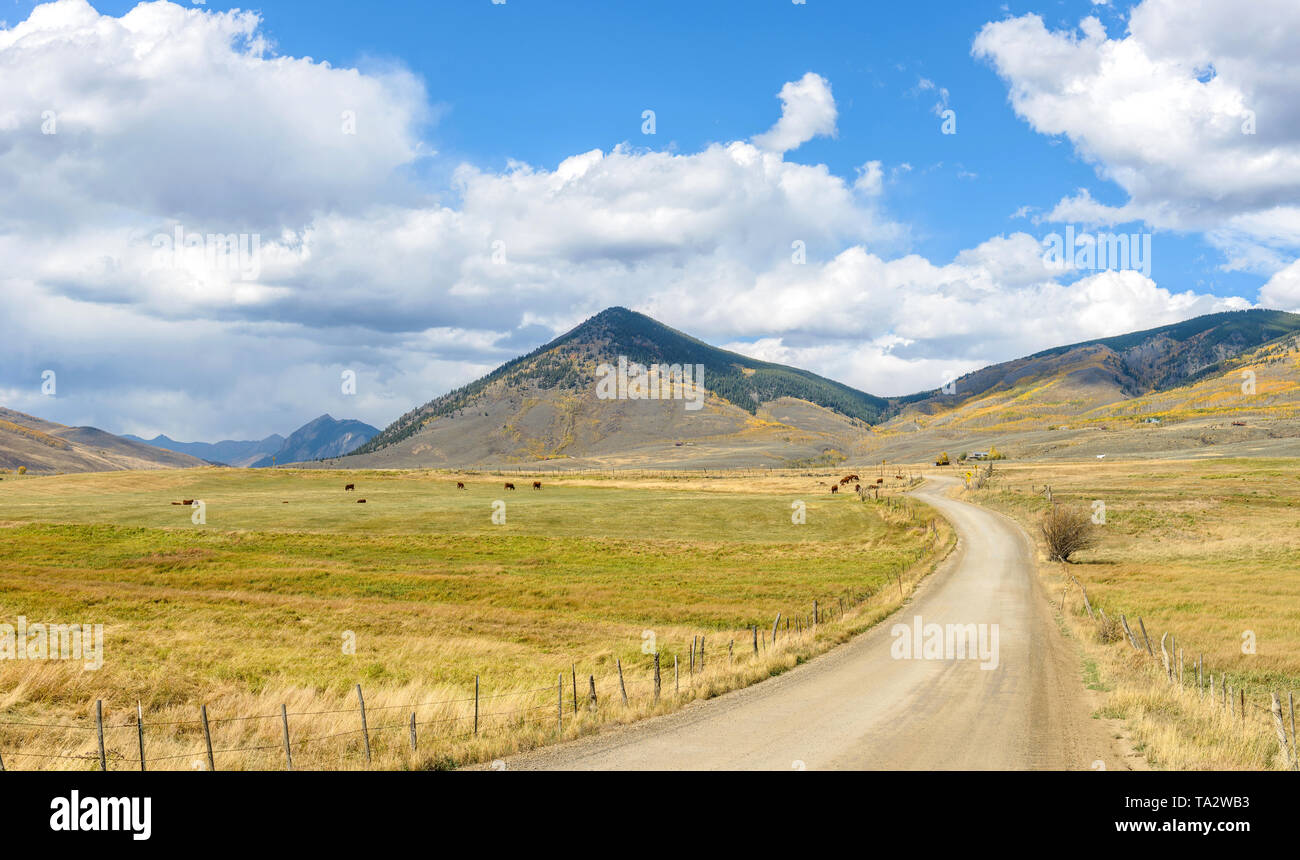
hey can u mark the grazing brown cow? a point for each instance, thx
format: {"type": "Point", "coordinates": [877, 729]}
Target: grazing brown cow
{"type": "Point", "coordinates": [537, 485]}
{"type": "Point", "coordinates": [361, 501]}
{"type": "Point", "coordinates": [848, 479]}
{"type": "Point", "coordinates": [835, 488]}
{"type": "Point", "coordinates": [510, 486]}
{"type": "Point", "coordinates": [880, 480]}
{"type": "Point", "coordinates": [857, 488]}
{"type": "Point", "coordinates": [460, 485]}
{"type": "Point", "coordinates": [349, 487]}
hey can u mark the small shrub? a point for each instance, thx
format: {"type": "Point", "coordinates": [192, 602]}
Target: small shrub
{"type": "Point", "coordinates": [1067, 530]}
{"type": "Point", "coordinates": [1109, 631]}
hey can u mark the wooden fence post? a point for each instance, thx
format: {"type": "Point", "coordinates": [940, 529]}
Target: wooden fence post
{"type": "Point", "coordinates": [284, 719]}
{"type": "Point", "coordinates": [476, 704]}
{"type": "Point", "coordinates": [677, 678]}
{"type": "Point", "coordinates": [701, 653]}
{"type": "Point", "coordinates": [816, 615]}
{"type": "Point", "coordinates": [1145, 637]}
{"type": "Point", "coordinates": [99, 727]}
{"type": "Point", "coordinates": [755, 628]}
{"type": "Point", "coordinates": [573, 668]}
{"type": "Point", "coordinates": [774, 627]}
{"type": "Point", "coordinates": [207, 736]}
{"type": "Point", "coordinates": [2, 764]}
{"type": "Point", "coordinates": [413, 746]}
{"type": "Point", "coordinates": [1242, 693]}
{"type": "Point", "coordinates": [691, 668]}
{"type": "Point", "coordinates": [365, 731]}
{"type": "Point", "coordinates": [731, 644]}
{"type": "Point", "coordinates": [1131, 638]}
{"type": "Point", "coordinates": [1288, 756]}
{"type": "Point", "coordinates": [139, 730]}
{"type": "Point", "coordinates": [559, 704]}
{"type": "Point", "coordinates": [1291, 699]}
{"type": "Point", "coordinates": [592, 694]}
{"type": "Point", "coordinates": [1164, 655]}
{"type": "Point", "coordinates": [656, 676]}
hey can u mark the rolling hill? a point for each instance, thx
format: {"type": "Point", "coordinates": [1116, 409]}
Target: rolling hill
{"type": "Point", "coordinates": [1176, 388]}
{"type": "Point", "coordinates": [45, 447]}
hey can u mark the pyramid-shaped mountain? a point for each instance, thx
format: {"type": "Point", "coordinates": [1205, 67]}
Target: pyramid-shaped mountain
{"type": "Point", "coordinates": [552, 404]}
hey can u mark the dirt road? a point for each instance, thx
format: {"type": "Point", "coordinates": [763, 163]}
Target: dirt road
{"type": "Point", "coordinates": [860, 707]}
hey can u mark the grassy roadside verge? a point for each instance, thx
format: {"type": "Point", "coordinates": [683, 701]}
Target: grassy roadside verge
{"type": "Point", "coordinates": [1204, 551]}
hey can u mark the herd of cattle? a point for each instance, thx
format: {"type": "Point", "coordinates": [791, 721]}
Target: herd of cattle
{"type": "Point", "coordinates": [460, 485]}
{"type": "Point", "coordinates": [537, 485]}
{"type": "Point", "coordinates": [850, 479]}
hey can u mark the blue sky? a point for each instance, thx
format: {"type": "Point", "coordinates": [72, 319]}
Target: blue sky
{"type": "Point", "coordinates": [474, 121]}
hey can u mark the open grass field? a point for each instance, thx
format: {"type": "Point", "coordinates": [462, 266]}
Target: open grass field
{"type": "Point", "coordinates": [292, 593]}
{"type": "Point", "coordinates": [1206, 550]}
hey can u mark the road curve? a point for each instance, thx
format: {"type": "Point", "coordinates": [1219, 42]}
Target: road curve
{"type": "Point", "coordinates": [860, 708]}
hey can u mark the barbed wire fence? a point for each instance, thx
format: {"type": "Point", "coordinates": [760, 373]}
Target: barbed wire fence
{"type": "Point", "coordinates": [1233, 702]}
{"type": "Point", "coordinates": [559, 704]}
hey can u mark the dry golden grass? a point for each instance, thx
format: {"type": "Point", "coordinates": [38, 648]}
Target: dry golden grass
{"type": "Point", "coordinates": [1204, 550]}
{"type": "Point", "coordinates": [249, 611]}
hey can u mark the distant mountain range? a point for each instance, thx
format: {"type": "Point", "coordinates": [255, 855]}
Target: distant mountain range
{"type": "Point", "coordinates": [575, 402]}
{"type": "Point", "coordinates": [320, 438]}
{"type": "Point", "coordinates": [546, 405]}
{"type": "Point", "coordinates": [227, 452]}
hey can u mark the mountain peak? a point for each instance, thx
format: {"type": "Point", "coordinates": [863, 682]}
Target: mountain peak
{"type": "Point", "coordinates": [569, 364]}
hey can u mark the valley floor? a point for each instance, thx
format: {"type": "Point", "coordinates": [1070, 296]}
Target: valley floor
{"type": "Point", "coordinates": [291, 593]}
